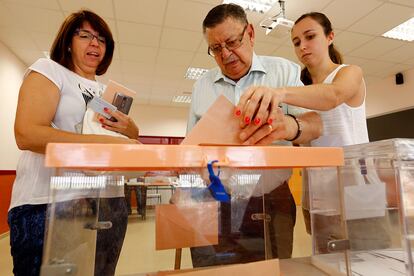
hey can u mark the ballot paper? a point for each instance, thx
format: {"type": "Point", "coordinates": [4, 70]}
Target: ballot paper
{"type": "Point", "coordinates": [112, 88]}
{"type": "Point", "coordinates": [98, 105]}
{"type": "Point", "coordinates": [91, 124]}
{"type": "Point", "coordinates": [218, 126]}
{"type": "Point", "coordinates": [107, 98]}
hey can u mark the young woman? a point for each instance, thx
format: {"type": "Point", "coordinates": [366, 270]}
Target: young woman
{"type": "Point", "coordinates": [51, 107]}
{"type": "Point", "coordinates": [342, 105]}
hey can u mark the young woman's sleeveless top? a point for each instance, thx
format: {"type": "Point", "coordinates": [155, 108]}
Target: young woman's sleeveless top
{"type": "Point", "coordinates": [343, 125]}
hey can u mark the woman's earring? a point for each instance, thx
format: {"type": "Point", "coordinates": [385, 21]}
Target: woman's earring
{"type": "Point", "coordinates": [69, 49]}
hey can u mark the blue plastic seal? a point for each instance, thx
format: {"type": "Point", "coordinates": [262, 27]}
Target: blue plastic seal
{"type": "Point", "coordinates": [216, 187]}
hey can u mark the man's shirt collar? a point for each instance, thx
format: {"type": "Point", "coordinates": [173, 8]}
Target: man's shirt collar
{"type": "Point", "coordinates": [257, 66]}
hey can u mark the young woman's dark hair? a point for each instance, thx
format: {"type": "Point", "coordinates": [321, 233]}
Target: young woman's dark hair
{"type": "Point", "coordinates": [60, 50]}
{"type": "Point", "coordinates": [334, 54]}
{"type": "Point", "coordinates": [221, 12]}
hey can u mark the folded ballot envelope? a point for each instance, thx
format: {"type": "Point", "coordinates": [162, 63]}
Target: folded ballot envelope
{"type": "Point", "coordinates": [91, 124]}
{"type": "Point", "coordinates": [112, 88]}
{"type": "Point", "coordinates": [365, 200]}
{"type": "Point", "coordinates": [218, 126]}
{"type": "Point", "coordinates": [186, 225]}
{"type": "Point", "coordinates": [106, 100]}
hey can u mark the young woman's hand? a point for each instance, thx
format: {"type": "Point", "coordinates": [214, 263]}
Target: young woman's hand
{"type": "Point", "coordinates": [259, 104]}
{"type": "Point", "coordinates": [280, 128]}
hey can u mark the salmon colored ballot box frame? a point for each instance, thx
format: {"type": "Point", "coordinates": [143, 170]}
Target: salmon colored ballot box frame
{"type": "Point", "coordinates": [112, 157]}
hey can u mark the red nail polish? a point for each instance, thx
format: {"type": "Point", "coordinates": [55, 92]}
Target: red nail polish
{"type": "Point", "coordinates": [106, 109]}
{"type": "Point", "coordinates": [101, 120]}
{"type": "Point", "coordinates": [247, 120]}
{"type": "Point", "coordinates": [257, 121]}
{"type": "Point", "coordinates": [238, 112]}
{"type": "Point", "coordinates": [270, 121]}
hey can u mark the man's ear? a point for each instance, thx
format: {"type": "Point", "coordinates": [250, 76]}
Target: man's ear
{"type": "Point", "coordinates": [250, 31]}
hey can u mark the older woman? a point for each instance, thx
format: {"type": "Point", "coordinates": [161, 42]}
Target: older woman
{"type": "Point", "coordinates": [51, 107]}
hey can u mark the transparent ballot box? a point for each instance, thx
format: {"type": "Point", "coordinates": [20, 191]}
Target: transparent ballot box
{"type": "Point", "coordinates": [363, 215]}
{"type": "Point", "coordinates": [226, 206]}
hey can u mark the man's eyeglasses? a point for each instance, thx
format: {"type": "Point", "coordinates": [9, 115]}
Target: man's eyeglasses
{"type": "Point", "coordinates": [229, 45]}
{"type": "Point", "coordinates": [87, 35]}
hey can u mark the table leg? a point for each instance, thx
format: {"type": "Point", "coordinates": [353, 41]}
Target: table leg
{"type": "Point", "coordinates": [142, 201]}
{"type": "Point", "coordinates": [127, 191]}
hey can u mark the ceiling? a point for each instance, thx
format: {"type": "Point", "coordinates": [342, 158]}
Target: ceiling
{"type": "Point", "coordinates": [157, 40]}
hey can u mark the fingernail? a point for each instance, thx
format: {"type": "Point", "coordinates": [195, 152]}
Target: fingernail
{"type": "Point", "coordinates": [247, 143]}
{"type": "Point", "coordinates": [269, 121]}
{"type": "Point", "coordinates": [102, 126]}
{"type": "Point", "coordinates": [257, 121]}
{"type": "Point", "coordinates": [243, 136]}
{"type": "Point", "coordinates": [238, 112]}
{"type": "Point", "coordinates": [247, 120]}
{"type": "Point", "coordinates": [106, 109]}
{"type": "Point", "coordinates": [101, 120]}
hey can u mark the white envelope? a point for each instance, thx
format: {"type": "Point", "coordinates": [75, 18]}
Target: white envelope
{"type": "Point", "coordinates": [365, 200]}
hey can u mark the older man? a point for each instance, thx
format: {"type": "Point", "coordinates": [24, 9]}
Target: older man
{"type": "Point", "coordinates": [230, 40]}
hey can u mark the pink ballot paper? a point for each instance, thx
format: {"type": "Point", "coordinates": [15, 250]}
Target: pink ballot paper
{"type": "Point", "coordinates": [218, 126]}
{"type": "Point", "coordinates": [111, 89]}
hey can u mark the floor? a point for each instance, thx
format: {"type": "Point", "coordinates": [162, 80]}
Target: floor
{"type": "Point", "coordinates": [141, 234]}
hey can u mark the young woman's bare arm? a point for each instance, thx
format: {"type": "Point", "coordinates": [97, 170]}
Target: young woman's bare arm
{"type": "Point", "coordinates": [262, 102]}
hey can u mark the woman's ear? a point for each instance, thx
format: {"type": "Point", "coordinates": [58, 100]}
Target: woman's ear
{"type": "Point", "coordinates": [330, 37]}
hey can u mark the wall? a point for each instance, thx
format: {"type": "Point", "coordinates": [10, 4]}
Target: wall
{"type": "Point", "coordinates": [6, 183]}
{"type": "Point", "coordinates": [160, 121]}
{"type": "Point", "coordinates": [393, 125]}
{"type": "Point", "coordinates": [386, 97]}
{"type": "Point", "coordinates": [11, 72]}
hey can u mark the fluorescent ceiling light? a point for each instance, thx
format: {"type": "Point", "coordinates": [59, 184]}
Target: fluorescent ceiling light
{"type": "Point", "coordinates": [181, 99]}
{"type": "Point", "coordinates": [280, 27]}
{"type": "Point", "coordinates": [260, 6]}
{"type": "Point", "coordinates": [194, 73]}
{"type": "Point", "coordinates": [404, 31]}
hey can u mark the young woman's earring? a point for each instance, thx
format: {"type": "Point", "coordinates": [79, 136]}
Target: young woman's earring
{"type": "Point", "coordinates": [69, 49]}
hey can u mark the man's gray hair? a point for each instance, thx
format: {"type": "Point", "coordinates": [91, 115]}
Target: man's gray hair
{"type": "Point", "coordinates": [221, 12]}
